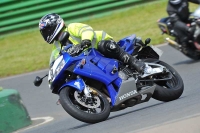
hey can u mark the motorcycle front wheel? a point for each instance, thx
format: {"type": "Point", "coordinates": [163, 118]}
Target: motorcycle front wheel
{"type": "Point", "coordinates": [169, 90]}
{"type": "Point", "coordinates": [92, 110]}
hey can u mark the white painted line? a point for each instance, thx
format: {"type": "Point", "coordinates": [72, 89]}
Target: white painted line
{"type": "Point", "coordinates": [46, 120]}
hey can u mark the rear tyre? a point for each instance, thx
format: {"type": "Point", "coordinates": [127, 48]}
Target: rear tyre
{"type": "Point", "coordinates": [171, 89]}
{"type": "Point", "coordinates": [77, 105]}
{"type": "Point", "coordinates": [191, 53]}
{"type": "Point", "coordinates": [188, 51]}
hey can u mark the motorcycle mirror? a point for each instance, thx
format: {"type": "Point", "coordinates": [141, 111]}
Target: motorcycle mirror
{"type": "Point", "coordinates": [147, 41]}
{"type": "Point", "coordinates": [37, 82]}
{"type": "Point", "coordinates": [63, 38]}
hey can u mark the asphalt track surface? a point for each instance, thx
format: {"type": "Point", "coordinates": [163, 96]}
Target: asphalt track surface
{"type": "Point", "coordinates": [179, 116]}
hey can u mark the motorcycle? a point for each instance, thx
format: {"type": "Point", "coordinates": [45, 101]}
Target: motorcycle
{"type": "Point", "coordinates": [193, 46]}
{"type": "Point", "coordinates": [91, 86]}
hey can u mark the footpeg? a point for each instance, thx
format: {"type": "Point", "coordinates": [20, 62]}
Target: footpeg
{"type": "Point", "coordinates": [152, 70]}
{"type": "Point", "coordinates": [147, 69]}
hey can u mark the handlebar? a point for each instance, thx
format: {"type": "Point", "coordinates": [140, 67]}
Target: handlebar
{"type": "Point", "coordinates": [74, 50]}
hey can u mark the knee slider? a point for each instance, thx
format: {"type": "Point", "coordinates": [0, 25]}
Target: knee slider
{"type": "Point", "coordinates": [109, 48]}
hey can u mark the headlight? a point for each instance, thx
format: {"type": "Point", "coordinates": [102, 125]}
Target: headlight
{"type": "Point", "coordinates": [56, 68]}
{"type": "Point", "coordinates": [59, 68]}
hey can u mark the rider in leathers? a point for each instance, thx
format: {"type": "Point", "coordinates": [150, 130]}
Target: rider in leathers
{"type": "Point", "coordinates": [53, 29]}
{"type": "Point", "coordinates": [178, 11]}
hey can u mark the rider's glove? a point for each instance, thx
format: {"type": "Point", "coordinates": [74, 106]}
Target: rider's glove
{"type": "Point", "coordinates": [85, 43]}
{"type": "Point", "coordinates": [75, 49]}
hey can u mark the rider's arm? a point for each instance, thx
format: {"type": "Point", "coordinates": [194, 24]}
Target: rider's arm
{"type": "Point", "coordinates": [85, 32]}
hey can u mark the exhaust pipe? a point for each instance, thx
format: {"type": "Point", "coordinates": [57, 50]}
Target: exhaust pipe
{"type": "Point", "coordinates": [172, 41]}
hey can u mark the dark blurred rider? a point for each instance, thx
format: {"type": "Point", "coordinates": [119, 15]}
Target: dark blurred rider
{"type": "Point", "coordinates": [178, 11]}
{"type": "Point", "coordinates": [53, 30]}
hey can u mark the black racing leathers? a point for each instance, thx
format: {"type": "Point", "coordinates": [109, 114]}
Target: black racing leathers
{"type": "Point", "coordinates": [111, 49]}
{"type": "Point", "coordinates": [179, 15]}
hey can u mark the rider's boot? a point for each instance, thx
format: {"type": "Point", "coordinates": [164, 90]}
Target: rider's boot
{"type": "Point", "coordinates": [112, 50]}
{"type": "Point", "coordinates": [134, 63]}
{"type": "Point", "coordinates": [191, 31]}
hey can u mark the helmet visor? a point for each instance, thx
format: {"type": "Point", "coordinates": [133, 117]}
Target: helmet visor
{"type": "Point", "coordinates": [47, 33]}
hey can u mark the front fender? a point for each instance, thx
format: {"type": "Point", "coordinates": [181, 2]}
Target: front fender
{"type": "Point", "coordinates": [77, 84]}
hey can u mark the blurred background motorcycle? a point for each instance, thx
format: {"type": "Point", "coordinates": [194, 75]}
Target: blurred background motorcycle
{"type": "Point", "coordinates": [192, 50]}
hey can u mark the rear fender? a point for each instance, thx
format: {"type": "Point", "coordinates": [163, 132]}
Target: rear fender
{"type": "Point", "coordinates": [77, 84]}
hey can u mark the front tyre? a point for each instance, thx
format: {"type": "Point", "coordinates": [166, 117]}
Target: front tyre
{"type": "Point", "coordinates": [171, 89]}
{"type": "Point", "coordinates": [93, 110]}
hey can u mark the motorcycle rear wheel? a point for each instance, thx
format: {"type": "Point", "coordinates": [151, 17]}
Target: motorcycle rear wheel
{"type": "Point", "coordinates": [171, 89]}
{"type": "Point", "coordinates": [193, 54]}
{"type": "Point", "coordinates": [191, 51]}
{"type": "Point", "coordinates": [79, 110]}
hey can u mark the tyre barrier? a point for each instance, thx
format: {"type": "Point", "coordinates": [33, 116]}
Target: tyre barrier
{"type": "Point", "coordinates": [13, 114]}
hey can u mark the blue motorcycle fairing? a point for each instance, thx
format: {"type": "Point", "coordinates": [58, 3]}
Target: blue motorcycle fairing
{"type": "Point", "coordinates": [98, 68]}
{"type": "Point", "coordinates": [117, 82]}
{"type": "Point", "coordinates": [127, 43]}
{"type": "Point", "coordinates": [61, 77]}
{"type": "Point", "coordinates": [113, 93]}
{"type": "Point", "coordinates": [78, 84]}
{"type": "Point", "coordinates": [69, 60]}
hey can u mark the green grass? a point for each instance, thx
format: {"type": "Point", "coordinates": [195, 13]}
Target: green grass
{"type": "Point", "coordinates": [27, 51]}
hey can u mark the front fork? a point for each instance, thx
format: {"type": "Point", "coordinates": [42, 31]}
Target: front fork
{"type": "Point", "coordinates": [79, 85]}
{"type": "Point", "coordinates": [86, 89]}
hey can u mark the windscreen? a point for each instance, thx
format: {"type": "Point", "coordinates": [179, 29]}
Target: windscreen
{"type": "Point", "coordinates": [54, 56]}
